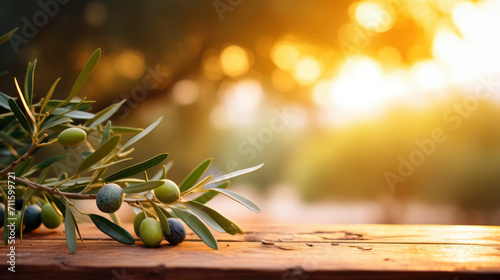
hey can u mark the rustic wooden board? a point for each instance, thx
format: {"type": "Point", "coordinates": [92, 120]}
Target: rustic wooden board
{"type": "Point", "coordinates": [299, 252]}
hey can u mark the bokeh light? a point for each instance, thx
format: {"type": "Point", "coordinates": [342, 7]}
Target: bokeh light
{"type": "Point", "coordinates": [234, 61]}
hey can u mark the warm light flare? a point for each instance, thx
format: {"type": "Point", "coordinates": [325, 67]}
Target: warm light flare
{"type": "Point", "coordinates": [234, 61]}
{"type": "Point", "coordinates": [307, 70]}
{"type": "Point", "coordinates": [372, 16]}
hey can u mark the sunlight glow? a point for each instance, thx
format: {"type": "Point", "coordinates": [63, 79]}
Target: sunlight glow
{"type": "Point", "coordinates": [130, 64]}
{"type": "Point", "coordinates": [372, 16]}
{"type": "Point", "coordinates": [307, 70]}
{"type": "Point", "coordinates": [240, 105]}
{"type": "Point", "coordinates": [234, 61]}
{"type": "Point", "coordinates": [428, 75]}
{"type": "Point", "coordinates": [285, 55]}
{"type": "Point", "coordinates": [360, 84]}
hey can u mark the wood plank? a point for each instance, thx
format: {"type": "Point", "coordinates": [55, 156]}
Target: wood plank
{"type": "Point", "coordinates": [308, 255]}
{"type": "Point", "coordinates": [416, 234]}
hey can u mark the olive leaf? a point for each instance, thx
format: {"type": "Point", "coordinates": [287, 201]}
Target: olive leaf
{"type": "Point", "coordinates": [206, 197]}
{"type": "Point", "coordinates": [4, 100]}
{"type": "Point", "coordinates": [69, 227]}
{"type": "Point", "coordinates": [213, 217]}
{"type": "Point", "coordinates": [49, 95]}
{"type": "Point", "coordinates": [126, 129]}
{"type": "Point", "coordinates": [21, 118]}
{"type": "Point", "coordinates": [7, 36]}
{"type": "Point", "coordinates": [197, 226]}
{"type": "Point", "coordinates": [142, 187]}
{"type": "Point", "coordinates": [28, 83]}
{"type": "Point", "coordinates": [237, 197]}
{"type": "Point", "coordinates": [89, 67]}
{"type": "Point", "coordinates": [27, 197]}
{"type": "Point", "coordinates": [112, 230]}
{"type": "Point", "coordinates": [142, 134]}
{"type": "Point", "coordinates": [100, 153]}
{"type": "Point", "coordinates": [104, 114]}
{"type": "Point", "coordinates": [137, 168]}
{"type": "Point", "coordinates": [195, 175]}
{"type": "Point", "coordinates": [43, 175]}
{"type": "Point", "coordinates": [48, 162]}
{"type": "Point", "coordinates": [161, 217]}
{"type": "Point", "coordinates": [105, 134]}
{"type": "Point", "coordinates": [235, 174]}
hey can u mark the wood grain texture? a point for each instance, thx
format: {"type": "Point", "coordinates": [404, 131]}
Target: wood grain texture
{"type": "Point", "coordinates": [299, 252]}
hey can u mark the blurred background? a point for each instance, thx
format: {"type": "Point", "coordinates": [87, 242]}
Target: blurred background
{"type": "Point", "coordinates": [377, 111]}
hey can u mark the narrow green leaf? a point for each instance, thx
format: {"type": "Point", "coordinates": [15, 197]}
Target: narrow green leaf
{"type": "Point", "coordinates": [105, 134]}
{"type": "Point", "coordinates": [69, 226]}
{"type": "Point", "coordinates": [137, 168]}
{"type": "Point", "coordinates": [110, 164]}
{"type": "Point", "coordinates": [7, 36]}
{"type": "Point", "coordinates": [61, 208]}
{"type": "Point", "coordinates": [112, 230]}
{"type": "Point", "coordinates": [143, 133]}
{"type": "Point", "coordinates": [126, 129]}
{"type": "Point", "coordinates": [168, 214]}
{"type": "Point", "coordinates": [28, 83]}
{"type": "Point", "coordinates": [89, 67]}
{"type": "Point", "coordinates": [198, 227]}
{"type": "Point", "coordinates": [237, 197]}
{"type": "Point", "coordinates": [48, 162]}
{"type": "Point", "coordinates": [23, 101]}
{"type": "Point", "coordinates": [72, 113]}
{"type": "Point", "coordinates": [224, 223]}
{"type": "Point", "coordinates": [162, 173]}
{"type": "Point", "coordinates": [59, 205]}
{"type": "Point", "coordinates": [115, 218]}
{"type": "Point", "coordinates": [21, 118]}
{"type": "Point", "coordinates": [104, 114]}
{"type": "Point", "coordinates": [54, 104]}
{"type": "Point", "coordinates": [43, 175]}
{"type": "Point", "coordinates": [198, 185]}
{"type": "Point", "coordinates": [23, 167]}
{"type": "Point", "coordinates": [48, 123]}
{"type": "Point", "coordinates": [206, 197]}
{"type": "Point", "coordinates": [195, 175]}
{"type": "Point", "coordinates": [27, 197]}
{"type": "Point", "coordinates": [49, 95]}
{"type": "Point", "coordinates": [100, 153]}
{"type": "Point", "coordinates": [205, 217]}
{"type": "Point", "coordinates": [235, 174]}
{"type": "Point", "coordinates": [4, 100]}
{"type": "Point", "coordinates": [11, 140]}
{"type": "Point", "coordinates": [161, 217]}
{"type": "Point", "coordinates": [142, 187]}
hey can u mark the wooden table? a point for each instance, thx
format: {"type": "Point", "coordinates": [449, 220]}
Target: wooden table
{"type": "Point", "coordinates": [291, 252]}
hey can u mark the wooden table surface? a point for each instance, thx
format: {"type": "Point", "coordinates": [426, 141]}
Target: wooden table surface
{"type": "Point", "coordinates": [299, 252]}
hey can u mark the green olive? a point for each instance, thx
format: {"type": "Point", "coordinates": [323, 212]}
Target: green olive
{"type": "Point", "coordinates": [137, 222]}
{"type": "Point", "coordinates": [50, 216]}
{"type": "Point", "coordinates": [168, 192]}
{"type": "Point", "coordinates": [71, 137]}
{"type": "Point", "coordinates": [150, 232]}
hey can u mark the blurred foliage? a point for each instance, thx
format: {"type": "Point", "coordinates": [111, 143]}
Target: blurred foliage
{"type": "Point", "coordinates": [180, 40]}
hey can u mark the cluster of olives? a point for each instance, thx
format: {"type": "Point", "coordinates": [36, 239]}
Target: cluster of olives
{"type": "Point", "coordinates": [151, 232]}
{"type": "Point", "coordinates": [34, 216]}
{"type": "Point", "coordinates": [110, 197]}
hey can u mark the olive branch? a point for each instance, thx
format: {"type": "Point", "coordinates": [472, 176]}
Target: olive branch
{"type": "Point", "coordinates": [28, 127]}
